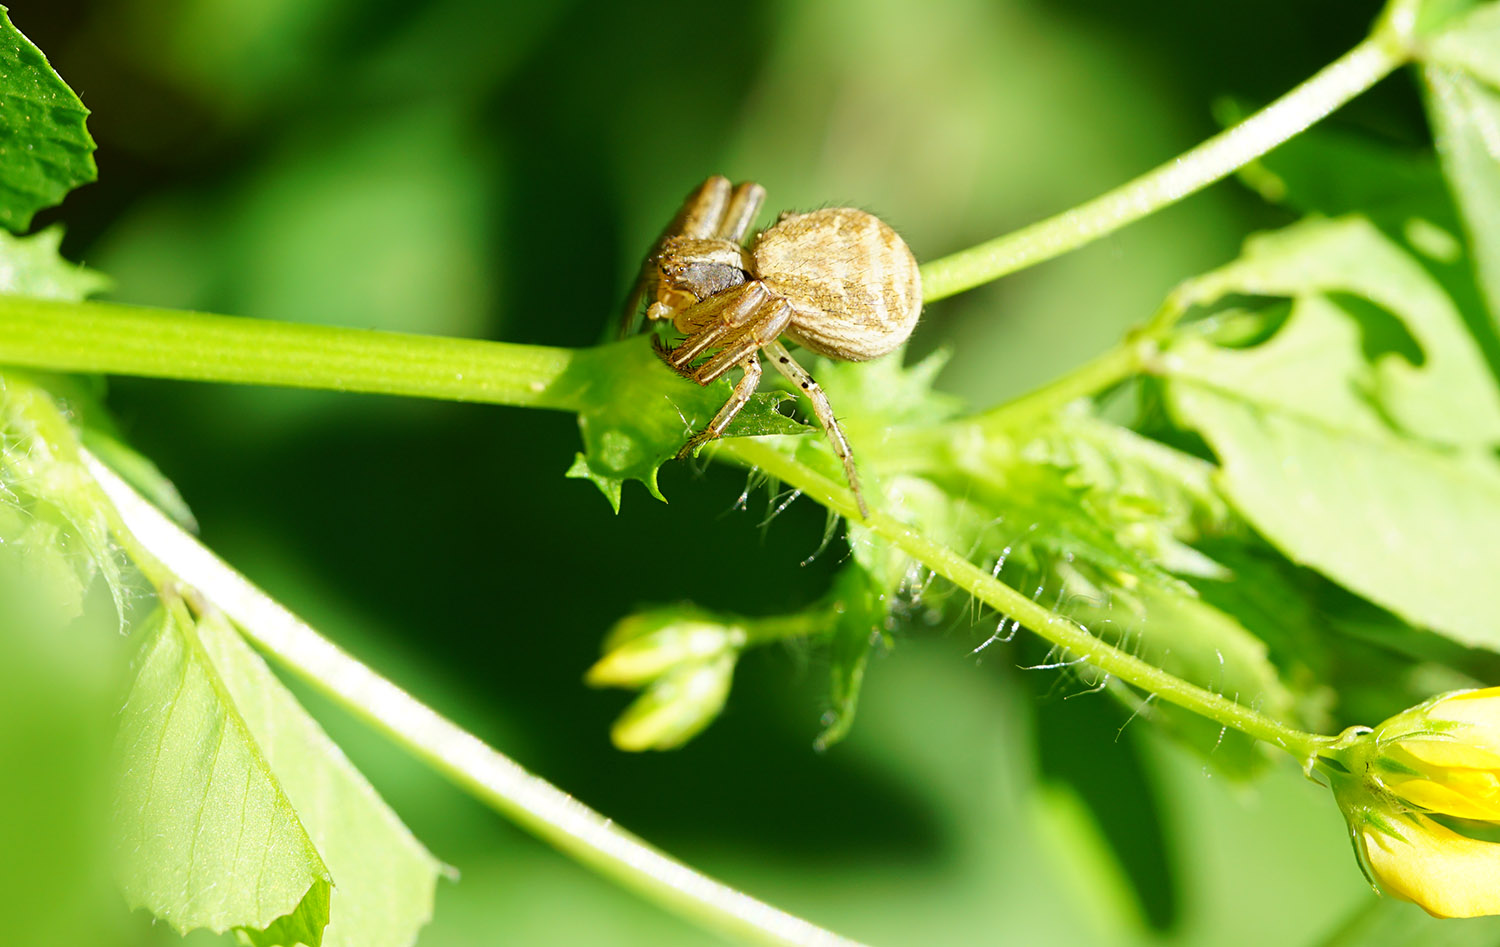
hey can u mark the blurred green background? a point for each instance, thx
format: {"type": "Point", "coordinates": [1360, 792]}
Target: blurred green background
{"type": "Point", "coordinates": [496, 169]}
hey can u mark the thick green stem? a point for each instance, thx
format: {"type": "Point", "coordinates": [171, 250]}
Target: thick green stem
{"type": "Point", "coordinates": [1219, 156]}
{"type": "Point", "coordinates": [500, 782]}
{"type": "Point", "coordinates": [1055, 628]}
{"type": "Point", "coordinates": [167, 343]}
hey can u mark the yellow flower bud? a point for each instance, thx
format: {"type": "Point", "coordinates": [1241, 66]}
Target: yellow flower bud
{"type": "Point", "coordinates": [1444, 756]}
{"type": "Point", "coordinates": [675, 707]}
{"type": "Point", "coordinates": [683, 659]}
{"type": "Point", "coordinates": [643, 648]}
{"type": "Point", "coordinates": [1437, 761]}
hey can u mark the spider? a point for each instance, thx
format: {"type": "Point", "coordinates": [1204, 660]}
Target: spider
{"type": "Point", "coordinates": [837, 281]}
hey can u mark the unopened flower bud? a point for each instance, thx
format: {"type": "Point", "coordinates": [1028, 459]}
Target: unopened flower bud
{"type": "Point", "coordinates": [1437, 761]}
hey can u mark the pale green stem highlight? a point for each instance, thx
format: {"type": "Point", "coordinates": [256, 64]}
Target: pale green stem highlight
{"type": "Point", "coordinates": [500, 782]}
{"type": "Point", "coordinates": [1061, 631]}
{"type": "Point", "coordinates": [165, 343]}
{"type": "Point", "coordinates": [1219, 156]}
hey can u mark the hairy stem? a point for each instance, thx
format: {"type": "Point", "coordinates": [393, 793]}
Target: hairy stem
{"type": "Point", "coordinates": [529, 801]}
{"type": "Point", "coordinates": [1061, 631]}
{"type": "Point", "coordinates": [1219, 156]}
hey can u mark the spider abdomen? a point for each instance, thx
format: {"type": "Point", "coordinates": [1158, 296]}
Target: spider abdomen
{"type": "Point", "coordinates": [852, 283]}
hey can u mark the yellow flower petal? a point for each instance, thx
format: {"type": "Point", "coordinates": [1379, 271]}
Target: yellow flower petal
{"type": "Point", "coordinates": [1458, 752]}
{"type": "Point", "coordinates": [1445, 873]}
{"type": "Point", "coordinates": [1460, 801]}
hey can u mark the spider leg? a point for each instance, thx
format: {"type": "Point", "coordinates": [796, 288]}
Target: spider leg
{"type": "Point", "coordinates": [743, 206]}
{"type": "Point", "coordinates": [766, 326]}
{"type": "Point", "coordinates": [701, 215]}
{"type": "Point", "coordinates": [742, 392]}
{"type": "Point", "coordinates": [707, 322]}
{"type": "Point", "coordinates": [799, 377]}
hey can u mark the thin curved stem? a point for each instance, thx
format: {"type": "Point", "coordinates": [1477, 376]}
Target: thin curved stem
{"type": "Point", "coordinates": [529, 801]}
{"type": "Point", "coordinates": [1059, 630]}
{"type": "Point", "coordinates": [1219, 156]}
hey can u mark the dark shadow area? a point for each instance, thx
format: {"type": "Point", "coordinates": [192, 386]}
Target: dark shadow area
{"type": "Point", "coordinates": [1086, 744]}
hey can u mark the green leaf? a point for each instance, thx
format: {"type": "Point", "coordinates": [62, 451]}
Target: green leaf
{"type": "Point", "coordinates": [1465, 117]}
{"type": "Point", "coordinates": [208, 838]}
{"type": "Point", "coordinates": [1323, 171]}
{"type": "Point", "coordinates": [53, 518]}
{"type": "Point", "coordinates": [1444, 392]}
{"type": "Point", "coordinates": [1408, 526]}
{"type": "Point", "coordinates": [1469, 44]}
{"type": "Point", "coordinates": [1160, 498]}
{"type": "Point", "coordinates": [237, 810]}
{"type": "Point", "coordinates": [32, 266]}
{"type": "Point", "coordinates": [45, 151]}
{"type": "Point", "coordinates": [637, 414]}
{"type": "Point", "coordinates": [384, 879]}
{"type": "Point", "coordinates": [860, 613]}
{"type": "Point", "coordinates": [1326, 434]}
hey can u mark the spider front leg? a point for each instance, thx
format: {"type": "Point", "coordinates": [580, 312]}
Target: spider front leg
{"type": "Point", "coordinates": [742, 392]}
{"type": "Point", "coordinates": [798, 375]}
{"type": "Point", "coordinates": [744, 205]}
{"type": "Point", "coordinates": [709, 323]}
{"type": "Point", "coordinates": [703, 214]}
{"type": "Point", "coordinates": [760, 328]}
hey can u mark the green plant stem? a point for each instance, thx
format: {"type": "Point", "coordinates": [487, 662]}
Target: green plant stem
{"type": "Point", "coordinates": [484, 772]}
{"type": "Point", "coordinates": [167, 343]}
{"type": "Point", "coordinates": [1061, 631]}
{"type": "Point", "coordinates": [1219, 156]}
{"type": "Point", "coordinates": [1123, 361]}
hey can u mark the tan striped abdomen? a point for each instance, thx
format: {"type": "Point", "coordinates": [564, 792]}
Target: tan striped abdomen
{"type": "Point", "coordinates": [853, 284]}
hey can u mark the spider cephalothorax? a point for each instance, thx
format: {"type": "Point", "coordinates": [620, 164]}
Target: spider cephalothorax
{"type": "Point", "coordinates": [837, 281]}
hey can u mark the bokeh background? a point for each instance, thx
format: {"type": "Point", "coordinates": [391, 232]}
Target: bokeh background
{"type": "Point", "coordinates": [496, 169]}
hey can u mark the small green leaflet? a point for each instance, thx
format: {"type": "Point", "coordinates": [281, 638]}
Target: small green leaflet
{"type": "Point", "coordinates": [384, 879]}
{"type": "Point", "coordinates": [208, 838]}
{"type": "Point", "coordinates": [637, 414]}
{"type": "Point", "coordinates": [237, 812]}
{"type": "Point", "coordinates": [45, 151]}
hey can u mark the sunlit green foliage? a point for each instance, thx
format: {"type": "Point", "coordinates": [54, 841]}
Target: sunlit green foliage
{"type": "Point", "coordinates": [1293, 503]}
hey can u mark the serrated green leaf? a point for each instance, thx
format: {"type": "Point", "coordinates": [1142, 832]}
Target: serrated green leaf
{"type": "Point", "coordinates": [1465, 116]}
{"type": "Point", "coordinates": [1162, 499]}
{"type": "Point", "coordinates": [45, 150]}
{"type": "Point", "coordinates": [207, 836]}
{"type": "Point", "coordinates": [1402, 514]}
{"type": "Point", "coordinates": [889, 392]}
{"type": "Point", "coordinates": [1408, 526]}
{"type": "Point", "coordinates": [384, 879]}
{"type": "Point", "coordinates": [637, 414]}
{"type": "Point", "coordinates": [1447, 395]}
